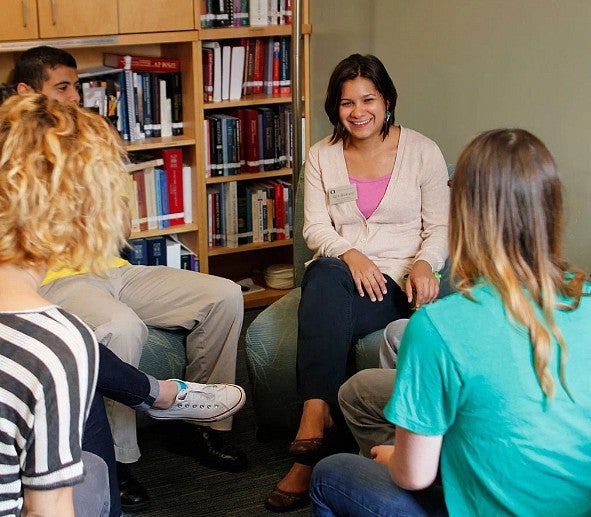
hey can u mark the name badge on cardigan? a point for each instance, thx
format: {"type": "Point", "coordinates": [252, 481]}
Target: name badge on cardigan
{"type": "Point", "coordinates": [342, 194]}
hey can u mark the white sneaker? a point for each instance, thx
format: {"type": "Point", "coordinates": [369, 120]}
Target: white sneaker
{"type": "Point", "coordinates": [202, 402]}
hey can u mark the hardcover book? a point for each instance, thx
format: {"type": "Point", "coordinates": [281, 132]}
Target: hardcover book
{"type": "Point", "coordinates": [142, 63]}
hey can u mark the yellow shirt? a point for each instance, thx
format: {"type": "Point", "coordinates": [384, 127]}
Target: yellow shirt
{"type": "Point", "coordinates": [55, 274]}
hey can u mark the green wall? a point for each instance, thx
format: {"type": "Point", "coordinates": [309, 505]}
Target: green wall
{"type": "Point", "coordinates": [462, 66]}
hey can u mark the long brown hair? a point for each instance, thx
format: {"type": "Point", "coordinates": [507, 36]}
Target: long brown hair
{"type": "Point", "coordinates": [506, 229]}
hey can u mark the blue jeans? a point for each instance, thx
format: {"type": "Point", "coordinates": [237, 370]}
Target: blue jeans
{"type": "Point", "coordinates": [347, 484]}
{"type": "Point", "coordinates": [124, 383]}
{"type": "Point", "coordinates": [332, 317]}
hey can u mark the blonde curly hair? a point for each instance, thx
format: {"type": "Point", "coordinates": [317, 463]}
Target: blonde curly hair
{"type": "Point", "coordinates": [61, 184]}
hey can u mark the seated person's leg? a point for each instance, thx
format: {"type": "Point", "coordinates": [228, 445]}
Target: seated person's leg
{"type": "Point", "coordinates": [391, 342]}
{"type": "Point", "coordinates": [97, 439]}
{"type": "Point", "coordinates": [345, 484]}
{"type": "Point", "coordinates": [91, 497]}
{"type": "Point", "coordinates": [362, 399]}
{"type": "Point", "coordinates": [211, 309]}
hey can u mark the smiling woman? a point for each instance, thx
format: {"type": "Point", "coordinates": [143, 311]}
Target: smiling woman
{"type": "Point", "coordinates": [376, 208]}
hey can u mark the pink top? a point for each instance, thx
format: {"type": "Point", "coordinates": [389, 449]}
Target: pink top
{"type": "Point", "coordinates": [369, 193]}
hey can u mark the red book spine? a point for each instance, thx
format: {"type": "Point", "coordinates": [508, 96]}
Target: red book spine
{"type": "Point", "coordinates": [142, 63]}
{"type": "Point", "coordinates": [276, 64]}
{"type": "Point", "coordinates": [252, 141]}
{"type": "Point", "coordinates": [207, 56]}
{"type": "Point", "coordinates": [279, 212]}
{"type": "Point", "coordinates": [259, 66]}
{"type": "Point", "coordinates": [173, 164]}
{"type": "Point", "coordinates": [142, 206]}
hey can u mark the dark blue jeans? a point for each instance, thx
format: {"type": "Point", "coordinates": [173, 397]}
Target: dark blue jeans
{"type": "Point", "coordinates": [97, 439]}
{"type": "Point", "coordinates": [332, 317]}
{"type": "Point", "coordinates": [347, 484]}
{"type": "Point", "coordinates": [122, 383]}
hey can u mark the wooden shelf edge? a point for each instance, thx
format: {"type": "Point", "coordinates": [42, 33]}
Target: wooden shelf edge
{"type": "Point", "coordinates": [263, 298]}
{"type": "Point", "coordinates": [246, 176]}
{"type": "Point", "coordinates": [212, 252]}
{"type": "Point", "coordinates": [185, 228]}
{"type": "Point", "coordinates": [250, 100]}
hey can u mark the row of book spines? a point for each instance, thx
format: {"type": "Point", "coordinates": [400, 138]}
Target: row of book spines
{"type": "Point", "coordinates": [154, 104]}
{"type": "Point", "coordinates": [250, 66]}
{"type": "Point", "coordinates": [141, 104]}
{"type": "Point", "coordinates": [161, 251]}
{"type": "Point", "coordinates": [244, 13]}
{"type": "Point", "coordinates": [160, 197]}
{"type": "Point", "coordinates": [240, 213]}
{"type": "Point", "coordinates": [248, 140]}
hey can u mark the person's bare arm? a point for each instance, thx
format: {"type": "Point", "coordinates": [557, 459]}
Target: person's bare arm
{"type": "Point", "coordinates": [414, 462]}
{"type": "Point", "coordinates": [48, 503]}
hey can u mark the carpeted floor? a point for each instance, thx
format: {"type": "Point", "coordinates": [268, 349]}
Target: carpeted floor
{"type": "Point", "coordinates": [180, 487]}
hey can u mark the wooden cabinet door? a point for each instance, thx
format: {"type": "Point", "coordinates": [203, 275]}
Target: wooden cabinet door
{"type": "Point", "coordinates": [155, 15]}
{"type": "Point", "coordinates": [19, 20]}
{"type": "Point", "coordinates": [67, 18]}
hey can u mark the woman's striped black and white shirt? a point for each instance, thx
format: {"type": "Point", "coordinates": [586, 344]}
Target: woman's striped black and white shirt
{"type": "Point", "coordinates": [48, 369]}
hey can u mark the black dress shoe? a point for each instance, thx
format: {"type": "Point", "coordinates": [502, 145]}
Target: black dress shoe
{"type": "Point", "coordinates": [210, 448]}
{"type": "Point", "coordinates": [133, 495]}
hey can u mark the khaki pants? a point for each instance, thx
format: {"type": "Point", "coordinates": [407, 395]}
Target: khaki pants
{"type": "Point", "coordinates": [119, 307]}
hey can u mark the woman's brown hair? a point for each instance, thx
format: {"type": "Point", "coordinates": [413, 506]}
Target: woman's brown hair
{"type": "Point", "coordinates": [506, 229]}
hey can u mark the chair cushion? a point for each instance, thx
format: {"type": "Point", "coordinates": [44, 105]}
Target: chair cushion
{"type": "Point", "coordinates": [164, 354]}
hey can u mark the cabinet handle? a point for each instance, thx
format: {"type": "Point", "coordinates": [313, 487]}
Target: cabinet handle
{"type": "Point", "coordinates": [25, 13]}
{"type": "Point", "coordinates": [53, 12]}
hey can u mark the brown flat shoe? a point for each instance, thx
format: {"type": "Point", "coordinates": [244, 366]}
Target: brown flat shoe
{"type": "Point", "coordinates": [306, 447]}
{"type": "Point", "coordinates": [278, 500]}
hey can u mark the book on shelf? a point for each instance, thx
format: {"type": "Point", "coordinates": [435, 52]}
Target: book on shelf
{"type": "Point", "coordinates": [142, 63]}
{"type": "Point", "coordinates": [284, 66]}
{"type": "Point", "coordinates": [174, 88]}
{"type": "Point", "coordinates": [268, 70]}
{"type": "Point", "coordinates": [251, 142]}
{"type": "Point", "coordinates": [173, 253]}
{"type": "Point", "coordinates": [216, 146]}
{"type": "Point", "coordinates": [165, 109]}
{"type": "Point", "coordinates": [188, 193]}
{"type": "Point", "coordinates": [151, 206]}
{"type": "Point", "coordinates": [136, 252]}
{"type": "Point", "coordinates": [226, 63]}
{"type": "Point", "coordinates": [207, 61]}
{"type": "Point", "coordinates": [206, 14]}
{"type": "Point", "coordinates": [258, 13]}
{"type": "Point", "coordinates": [258, 66]}
{"type": "Point", "coordinates": [156, 250]}
{"type": "Point", "coordinates": [267, 138]}
{"type": "Point", "coordinates": [236, 72]}
{"type": "Point", "coordinates": [231, 213]}
{"type": "Point", "coordinates": [161, 190]}
{"type": "Point", "coordinates": [142, 204]}
{"type": "Point", "coordinates": [217, 68]}
{"type": "Point", "coordinates": [249, 46]}
{"type": "Point", "coordinates": [241, 15]}
{"type": "Point", "coordinates": [240, 114]}
{"type": "Point", "coordinates": [173, 165]}
{"type": "Point", "coordinates": [244, 213]}
{"type": "Point", "coordinates": [155, 97]}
